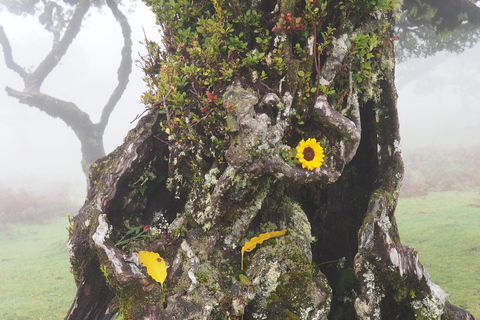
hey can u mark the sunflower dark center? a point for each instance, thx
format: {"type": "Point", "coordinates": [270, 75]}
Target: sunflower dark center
{"type": "Point", "coordinates": [308, 154]}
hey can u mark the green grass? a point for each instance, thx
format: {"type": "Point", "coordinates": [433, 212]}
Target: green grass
{"type": "Point", "coordinates": [35, 282]}
{"type": "Point", "coordinates": [444, 227]}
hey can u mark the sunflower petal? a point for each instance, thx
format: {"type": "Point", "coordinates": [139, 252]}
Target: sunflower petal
{"type": "Point", "coordinates": [317, 160]}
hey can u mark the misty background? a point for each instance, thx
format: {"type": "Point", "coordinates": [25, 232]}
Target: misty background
{"type": "Point", "coordinates": [41, 153]}
{"type": "Point", "coordinates": [439, 99]}
{"type": "Point", "coordinates": [438, 105]}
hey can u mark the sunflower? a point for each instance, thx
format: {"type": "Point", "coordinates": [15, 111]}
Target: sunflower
{"type": "Point", "coordinates": [310, 154]}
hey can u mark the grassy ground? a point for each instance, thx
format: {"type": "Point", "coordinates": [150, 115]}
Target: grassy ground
{"type": "Point", "coordinates": [35, 282]}
{"type": "Point", "coordinates": [445, 228]}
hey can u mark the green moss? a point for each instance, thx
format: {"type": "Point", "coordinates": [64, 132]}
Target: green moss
{"type": "Point", "coordinates": [347, 281]}
{"type": "Point", "coordinates": [288, 315]}
{"type": "Point", "coordinates": [202, 277]}
{"type": "Point", "coordinates": [345, 290]}
{"type": "Point", "coordinates": [400, 292]}
{"type": "Point", "coordinates": [132, 296]}
{"type": "Point", "coordinates": [103, 268]}
{"type": "Point", "coordinates": [130, 299]}
{"type": "Point", "coordinates": [289, 296]}
{"type": "Point", "coordinates": [294, 292]}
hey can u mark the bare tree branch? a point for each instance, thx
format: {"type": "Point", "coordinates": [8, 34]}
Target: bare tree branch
{"type": "Point", "coordinates": [7, 52]}
{"type": "Point", "coordinates": [124, 69]}
{"type": "Point", "coordinates": [36, 78]}
{"type": "Point", "coordinates": [90, 138]}
{"type": "Point", "coordinates": [89, 134]}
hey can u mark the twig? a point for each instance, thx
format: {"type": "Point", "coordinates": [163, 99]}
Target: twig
{"type": "Point", "coordinates": [350, 93]}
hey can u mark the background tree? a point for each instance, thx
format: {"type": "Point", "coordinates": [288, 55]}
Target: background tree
{"type": "Point", "coordinates": [427, 27]}
{"type": "Point", "coordinates": [63, 20]}
{"type": "Point", "coordinates": [234, 88]}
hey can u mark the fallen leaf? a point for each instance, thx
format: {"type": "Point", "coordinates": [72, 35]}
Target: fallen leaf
{"type": "Point", "coordinates": [250, 245]}
{"type": "Point", "coordinates": [155, 265]}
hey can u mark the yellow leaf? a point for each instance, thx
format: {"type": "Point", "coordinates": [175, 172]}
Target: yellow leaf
{"type": "Point", "coordinates": [250, 245]}
{"type": "Point", "coordinates": [155, 265]}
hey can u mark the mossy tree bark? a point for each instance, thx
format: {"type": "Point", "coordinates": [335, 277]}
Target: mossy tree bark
{"type": "Point", "coordinates": [207, 173]}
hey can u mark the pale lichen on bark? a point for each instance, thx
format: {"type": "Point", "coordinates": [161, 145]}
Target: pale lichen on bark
{"type": "Point", "coordinates": [226, 201]}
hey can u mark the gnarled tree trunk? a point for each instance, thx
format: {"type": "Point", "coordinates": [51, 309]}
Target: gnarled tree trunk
{"type": "Point", "coordinates": [341, 256]}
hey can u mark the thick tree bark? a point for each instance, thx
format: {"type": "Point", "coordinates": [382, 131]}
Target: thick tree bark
{"type": "Point", "coordinates": [341, 212]}
{"type": "Point", "coordinates": [382, 265]}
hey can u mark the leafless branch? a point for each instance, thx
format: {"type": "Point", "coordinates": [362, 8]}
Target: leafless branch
{"type": "Point", "coordinates": [56, 108]}
{"type": "Point", "coordinates": [125, 67]}
{"type": "Point", "coordinates": [59, 49]}
{"type": "Point", "coordinates": [7, 52]}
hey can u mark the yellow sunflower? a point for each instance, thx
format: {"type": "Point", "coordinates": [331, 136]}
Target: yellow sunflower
{"type": "Point", "coordinates": [310, 154]}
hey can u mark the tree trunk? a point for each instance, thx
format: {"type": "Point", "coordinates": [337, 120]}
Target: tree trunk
{"type": "Point", "coordinates": [341, 256]}
{"type": "Point", "coordinates": [90, 134]}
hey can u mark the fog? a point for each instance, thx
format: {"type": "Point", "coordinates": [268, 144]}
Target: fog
{"type": "Point", "coordinates": [439, 101]}
{"type": "Point", "coordinates": [40, 152]}
{"type": "Point", "coordinates": [438, 105]}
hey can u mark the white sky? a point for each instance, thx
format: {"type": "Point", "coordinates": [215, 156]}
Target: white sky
{"type": "Point", "coordinates": [441, 105]}
{"type": "Point", "coordinates": [38, 151]}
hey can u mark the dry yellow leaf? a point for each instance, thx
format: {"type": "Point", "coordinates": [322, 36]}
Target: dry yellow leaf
{"type": "Point", "coordinates": [250, 245]}
{"type": "Point", "coordinates": [155, 265]}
